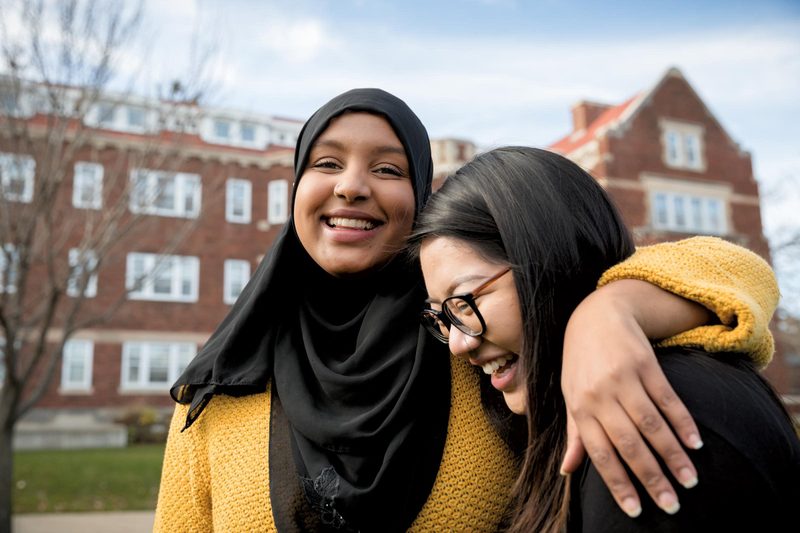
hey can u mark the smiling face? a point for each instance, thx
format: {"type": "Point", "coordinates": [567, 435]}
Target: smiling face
{"type": "Point", "coordinates": [451, 267]}
{"type": "Point", "coordinates": [354, 205]}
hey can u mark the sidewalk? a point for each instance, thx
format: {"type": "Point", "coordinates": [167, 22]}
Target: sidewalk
{"type": "Point", "coordinates": [100, 522]}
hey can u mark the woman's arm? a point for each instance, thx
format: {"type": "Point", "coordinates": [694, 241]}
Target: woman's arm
{"type": "Point", "coordinates": [616, 393]}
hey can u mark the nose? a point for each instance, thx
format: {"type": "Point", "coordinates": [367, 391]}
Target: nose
{"type": "Point", "coordinates": [462, 344]}
{"type": "Point", "coordinates": [353, 185]}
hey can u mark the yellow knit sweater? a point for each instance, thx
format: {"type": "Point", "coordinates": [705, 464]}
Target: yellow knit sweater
{"type": "Point", "coordinates": [734, 283]}
{"type": "Point", "coordinates": [216, 473]}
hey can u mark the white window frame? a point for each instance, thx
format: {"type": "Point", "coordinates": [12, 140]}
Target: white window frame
{"type": "Point", "coordinates": [178, 356]}
{"type": "Point", "coordinates": [9, 264]}
{"type": "Point", "coordinates": [17, 167]}
{"type": "Point", "coordinates": [80, 352]}
{"type": "Point", "coordinates": [230, 201]}
{"type": "Point", "coordinates": [687, 207]}
{"type": "Point", "coordinates": [683, 145]}
{"type": "Point", "coordinates": [237, 274]}
{"type": "Point", "coordinates": [78, 261]}
{"type": "Point", "coordinates": [277, 201]}
{"type": "Point", "coordinates": [174, 270]}
{"type": "Point", "coordinates": [145, 192]}
{"type": "Point", "coordinates": [87, 182]}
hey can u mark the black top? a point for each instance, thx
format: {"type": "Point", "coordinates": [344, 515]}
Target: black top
{"type": "Point", "coordinates": [364, 390]}
{"type": "Point", "coordinates": [748, 468]}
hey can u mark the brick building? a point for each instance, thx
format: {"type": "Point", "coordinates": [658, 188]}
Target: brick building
{"type": "Point", "coordinates": [673, 171]}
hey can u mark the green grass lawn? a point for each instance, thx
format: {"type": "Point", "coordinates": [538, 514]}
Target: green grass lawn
{"type": "Point", "coordinates": [87, 480]}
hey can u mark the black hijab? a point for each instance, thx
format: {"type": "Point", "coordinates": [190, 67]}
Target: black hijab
{"type": "Point", "coordinates": [364, 389]}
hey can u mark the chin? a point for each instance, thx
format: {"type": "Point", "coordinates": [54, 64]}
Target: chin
{"type": "Point", "coordinates": [515, 402]}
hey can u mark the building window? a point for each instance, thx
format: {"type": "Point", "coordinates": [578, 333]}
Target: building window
{"type": "Point", "coordinates": [238, 200]}
{"type": "Point", "coordinates": [169, 278]}
{"type": "Point", "coordinates": [222, 129]}
{"type": "Point", "coordinates": [136, 118]}
{"type": "Point", "coordinates": [81, 264]}
{"type": "Point", "coordinates": [683, 145]}
{"type": "Point", "coordinates": [174, 194]}
{"type": "Point", "coordinates": [76, 365]}
{"type": "Point", "coordinates": [16, 177]}
{"type": "Point", "coordinates": [278, 198]}
{"type": "Point", "coordinates": [688, 213]}
{"type": "Point", "coordinates": [154, 366]}
{"type": "Point", "coordinates": [87, 187]}
{"type": "Point", "coordinates": [9, 267]}
{"type": "Point", "coordinates": [248, 132]}
{"type": "Point", "coordinates": [237, 273]}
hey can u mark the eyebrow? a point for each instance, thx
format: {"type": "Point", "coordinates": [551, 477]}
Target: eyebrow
{"type": "Point", "coordinates": [377, 150]}
{"type": "Point", "coordinates": [457, 283]}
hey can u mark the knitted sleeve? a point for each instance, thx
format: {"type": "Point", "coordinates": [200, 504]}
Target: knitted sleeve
{"type": "Point", "coordinates": [183, 501]}
{"type": "Point", "coordinates": [734, 283]}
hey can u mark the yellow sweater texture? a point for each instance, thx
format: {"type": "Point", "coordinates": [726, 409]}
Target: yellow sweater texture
{"type": "Point", "coordinates": [735, 284]}
{"type": "Point", "coordinates": [216, 473]}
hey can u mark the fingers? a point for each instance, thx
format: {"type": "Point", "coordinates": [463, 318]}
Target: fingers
{"type": "Point", "coordinates": [607, 463]}
{"type": "Point", "coordinates": [575, 452]}
{"type": "Point", "coordinates": [671, 406]}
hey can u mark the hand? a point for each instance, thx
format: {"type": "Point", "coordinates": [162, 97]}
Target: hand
{"type": "Point", "coordinates": [617, 396]}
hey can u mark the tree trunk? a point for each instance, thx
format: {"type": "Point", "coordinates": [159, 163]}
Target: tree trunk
{"type": "Point", "coordinates": [6, 475]}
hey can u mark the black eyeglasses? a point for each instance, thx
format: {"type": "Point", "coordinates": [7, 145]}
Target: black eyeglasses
{"type": "Point", "coordinates": [460, 311]}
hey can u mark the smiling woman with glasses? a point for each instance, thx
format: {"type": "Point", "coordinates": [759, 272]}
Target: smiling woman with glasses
{"type": "Point", "coordinates": [460, 311]}
{"type": "Point", "coordinates": [749, 469]}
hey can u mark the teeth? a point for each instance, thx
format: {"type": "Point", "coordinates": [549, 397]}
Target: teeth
{"type": "Point", "coordinates": [492, 366]}
{"type": "Point", "coordinates": [354, 223]}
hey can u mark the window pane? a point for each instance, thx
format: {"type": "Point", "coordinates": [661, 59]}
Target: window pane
{"type": "Point", "coordinates": [697, 213]}
{"type": "Point", "coordinates": [222, 129]}
{"type": "Point", "coordinates": [660, 210]}
{"type": "Point", "coordinates": [248, 132]}
{"type": "Point", "coordinates": [680, 211]}
{"type": "Point", "coordinates": [165, 197]}
{"type": "Point", "coordinates": [159, 363]}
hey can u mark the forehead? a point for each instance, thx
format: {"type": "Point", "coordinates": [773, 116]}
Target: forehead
{"type": "Point", "coordinates": [360, 127]}
{"type": "Point", "coordinates": [448, 262]}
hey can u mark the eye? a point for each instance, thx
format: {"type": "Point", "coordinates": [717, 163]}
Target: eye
{"type": "Point", "coordinates": [390, 170]}
{"type": "Point", "coordinates": [326, 164]}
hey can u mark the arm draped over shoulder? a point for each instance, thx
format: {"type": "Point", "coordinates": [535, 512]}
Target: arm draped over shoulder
{"type": "Point", "coordinates": [734, 283]}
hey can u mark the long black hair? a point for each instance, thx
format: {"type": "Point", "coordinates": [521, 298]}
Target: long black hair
{"type": "Point", "coordinates": [554, 225]}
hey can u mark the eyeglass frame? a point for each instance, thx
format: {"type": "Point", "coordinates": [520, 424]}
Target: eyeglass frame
{"type": "Point", "coordinates": [447, 319]}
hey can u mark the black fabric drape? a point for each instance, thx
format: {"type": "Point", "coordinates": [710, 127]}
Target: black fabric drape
{"type": "Point", "coordinates": [365, 391]}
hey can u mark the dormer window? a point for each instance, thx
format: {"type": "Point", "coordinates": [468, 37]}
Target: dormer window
{"type": "Point", "coordinates": [248, 133]}
{"type": "Point", "coordinates": [222, 129]}
{"type": "Point", "coordinates": [136, 118]}
{"type": "Point", "coordinates": [683, 145]}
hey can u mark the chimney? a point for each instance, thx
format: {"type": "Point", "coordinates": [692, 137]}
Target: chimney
{"type": "Point", "coordinates": [584, 113]}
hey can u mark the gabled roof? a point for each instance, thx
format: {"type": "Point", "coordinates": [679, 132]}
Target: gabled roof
{"type": "Point", "coordinates": [606, 119]}
{"type": "Point", "coordinates": [619, 116]}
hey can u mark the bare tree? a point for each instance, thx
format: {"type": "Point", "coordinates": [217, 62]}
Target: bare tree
{"type": "Point", "coordinates": [58, 63]}
{"type": "Point", "coordinates": [782, 199]}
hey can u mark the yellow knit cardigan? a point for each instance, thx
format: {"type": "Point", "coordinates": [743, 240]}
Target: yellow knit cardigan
{"type": "Point", "coordinates": [216, 473]}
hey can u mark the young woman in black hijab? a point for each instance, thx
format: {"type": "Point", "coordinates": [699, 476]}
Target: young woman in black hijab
{"type": "Point", "coordinates": [325, 405]}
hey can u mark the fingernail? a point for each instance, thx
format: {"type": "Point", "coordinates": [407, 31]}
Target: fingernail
{"type": "Point", "coordinates": [668, 502]}
{"type": "Point", "coordinates": [695, 442]}
{"type": "Point", "coordinates": [631, 507]}
{"type": "Point", "coordinates": [687, 477]}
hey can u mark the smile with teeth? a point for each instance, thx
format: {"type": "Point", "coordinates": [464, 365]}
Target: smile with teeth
{"type": "Point", "coordinates": [350, 223]}
{"type": "Point", "coordinates": [494, 365]}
